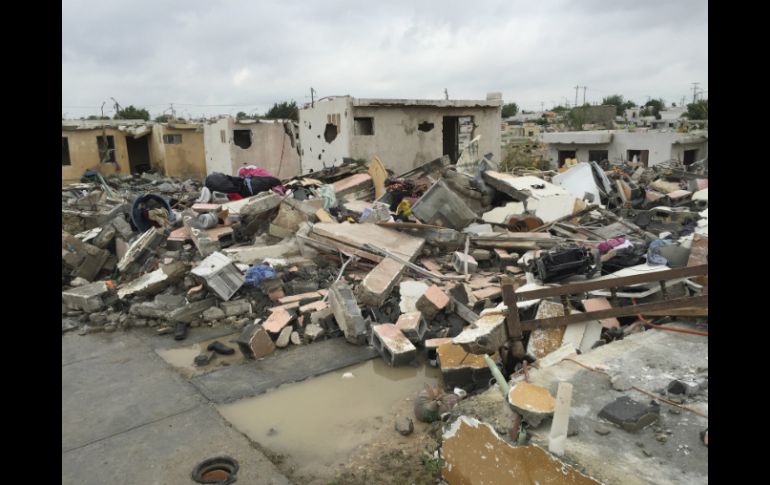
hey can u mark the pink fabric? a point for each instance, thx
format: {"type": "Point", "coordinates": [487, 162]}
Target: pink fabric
{"type": "Point", "coordinates": [279, 189]}
{"type": "Point", "coordinates": [609, 244]}
{"type": "Point", "coordinates": [252, 171]}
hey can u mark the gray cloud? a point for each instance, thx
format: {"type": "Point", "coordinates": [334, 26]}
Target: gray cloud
{"type": "Point", "coordinates": [255, 53]}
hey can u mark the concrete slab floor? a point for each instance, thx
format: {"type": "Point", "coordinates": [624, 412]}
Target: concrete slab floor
{"type": "Point", "coordinates": [650, 360]}
{"type": "Point", "coordinates": [128, 418]}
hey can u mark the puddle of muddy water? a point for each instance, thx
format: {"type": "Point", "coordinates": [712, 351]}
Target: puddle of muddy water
{"type": "Point", "coordinates": [182, 358]}
{"type": "Point", "coordinates": [320, 422]}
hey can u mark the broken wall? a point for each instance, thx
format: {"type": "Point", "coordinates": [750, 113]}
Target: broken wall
{"type": "Point", "coordinates": [315, 152]}
{"type": "Point", "coordinates": [84, 153]}
{"type": "Point", "coordinates": [402, 146]}
{"type": "Point", "coordinates": [270, 147]}
{"type": "Point", "coordinates": [183, 160]}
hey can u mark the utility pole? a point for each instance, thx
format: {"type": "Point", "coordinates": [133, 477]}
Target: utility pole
{"type": "Point", "coordinates": [542, 104]}
{"type": "Point", "coordinates": [117, 107]}
{"type": "Point", "coordinates": [312, 97]}
{"type": "Point", "coordinates": [682, 102]}
{"type": "Point", "coordinates": [576, 94]}
{"type": "Point", "coordinates": [446, 94]}
{"type": "Point", "coordinates": [694, 91]}
{"type": "Point", "coordinates": [584, 94]}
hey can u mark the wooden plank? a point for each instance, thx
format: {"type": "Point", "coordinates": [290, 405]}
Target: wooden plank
{"type": "Point", "coordinates": [607, 283]}
{"type": "Point", "coordinates": [695, 301]}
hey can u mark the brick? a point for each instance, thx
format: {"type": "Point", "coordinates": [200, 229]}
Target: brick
{"type": "Point", "coordinates": [489, 292]}
{"type": "Point", "coordinates": [601, 303]}
{"type": "Point", "coordinates": [392, 345]}
{"type": "Point", "coordinates": [313, 307]}
{"type": "Point", "coordinates": [432, 302]}
{"type": "Point", "coordinates": [277, 320]}
{"type": "Point", "coordinates": [313, 295]}
{"type": "Point", "coordinates": [378, 284]}
{"type": "Point", "coordinates": [347, 313]}
{"type": "Point", "coordinates": [413, 326]}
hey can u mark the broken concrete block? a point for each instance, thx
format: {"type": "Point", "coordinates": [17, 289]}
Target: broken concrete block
{"type": "Point", "coordinates": [310, 296]}
{"type": "Point", "coordinates": [487, 293]}
{"type": "Point", "coordinates": [413, 326]}
{"type": "Point", "coordinates": [283, 338]}
{"type": "Point", "coordinates": [277, 321]}
{"type": "Point", "coordinates": [434, 343]}
{"type": "Point", "coordinates": [543, 341]}
{"type": "Point", "coordinates": [439, 205]}
{"type": "Point", "coordinates": [89, 298]}
{"type": "Point", "coordinates": [122, 227]}
{"type": "Point", "coordinates": [533, 402]}
{"type": "Point", "coordinates": [220, 275]}
{"type": "Point", "coordinates": [257, 254]}
{"type": "Point", "coordinates": [287, 222]}
{"type": "Point", "coordinates": [86, 260]}
{"type": "Point", "coordinates": [462, 369]}
{"type": "Point", "coordinates": [139, 249]}
{"type": "Point", "coordinates": [313, 307]}
{"type": "Point", "coordinates": [212, 314]}
{"type": "Point", "coordinates": [148, 310]}
{"type": "Point", "coordinates": [105, 237]}
{"type": "Point", "coordinates": [432, 302]}
{"type": "Point", "coordinates": [474, 453]}
{"type": "Point", "coordinates": [410, 291]}
{"type": "Point", "coordinates": [629, 414]}
{"type": "Point", "coordinates": [254, 342]}
{"type": "Point", "coordinates": [485, 336]}
{"type": "Point", "coordinates": [565, 351]}
{"type": "Point", "coordinates": [235, 308]}
{"type": "Point", "coordinates": [621, 382]}
{"type": "Point", "coordinates": [378, 284]}
{"type": "Point", "coordinates": [295, 338]}
{"type": "Point", "coordinates": [347, 314]}
{"type": "Point", "coordinates": [392, 345]}
{"type": "Point", "coordinates": [459, 260]}
{"type": "Point", "coordinates": [582, 335]}
{"type": "Point", "coordinates": [500, 214]}
{"type": "Point", "coordinates": [313, 332]}
{"type": "Point", "coordinates": [191, 311]}
{"type": "Point", "coordinates": [154, 281]}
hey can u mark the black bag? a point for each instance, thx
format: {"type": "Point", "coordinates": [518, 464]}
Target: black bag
{"type": "Point", "coordinates": [559, 264]}
{"type": "Point", "coordinates": [254, 185]}
{"type": "Point", "coordinates": [219, 182]}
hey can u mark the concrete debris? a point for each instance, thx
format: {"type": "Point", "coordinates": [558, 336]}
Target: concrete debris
{"type": "Point", "coordinates": [404, 425]}
{"type": "Point", "coordinates": [520, 270]}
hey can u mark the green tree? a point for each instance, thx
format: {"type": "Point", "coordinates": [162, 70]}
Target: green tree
{"type": "Point", "coordinates": [132, 113]}
{"type": "Point", "coordinates": [96, 117]}
{"type": "Point", "coordinates": [163, 119]}
{"type": "Point", "coordinates": [653, 107]}
{"type": "Point", "coordinates": [510, 109]}
{"type": "Point", "coordinates": [284, 110]}
{"type": "Point", "coordinates": [619, 103]}
{"type": "Point", "coordinates": [542, 121]}
{"type": "Point", "coordinates": [559, 109]}
{"type": "Point", "coordinates": [576, 118]}
{"type": "Point", "coordinates": [241, 115]}
{"type": "Point", "coordinates": [698, 110]}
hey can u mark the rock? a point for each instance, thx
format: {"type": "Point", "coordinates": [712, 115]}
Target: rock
{"type": "Point", "coordinates": [140, 322]}
{"type": "Point", "coordinates": [601, 430]}
{"type": "Point", "coordinates": [404, 425]}
{"type": "Point", "coordinates": [68, 325]}
{"type": "Point", "coordinates": [204, 359]}
{"type": "Point", "coordinates": [164, 330]}
{"type": "Point", "coordinates": [79, 282]}
{"type": "Point", "coordinates": [213, 314]}
{"type": "Point", "coordinates": [295, 338]}
{"type": "Point", "coordinates": [110, 328]}
{"type": "Point", "coordinates": [283, 338]}
{"type": "Point", "coordinates": [313, 332]}
{"type": "Point", "coordinates": [683, 387]}
{"type": "Point", "coordinates": [620, 382]}
{"type": "Point", "coordinates": [629, 414]}
{"type": "Point", "coordinates": [661, 437]}
{"type": "Point", "coordinates": [97, 318]}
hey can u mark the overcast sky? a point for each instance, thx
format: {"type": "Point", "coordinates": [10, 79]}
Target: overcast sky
{"type": "Point", "coordinates": [213, 57]}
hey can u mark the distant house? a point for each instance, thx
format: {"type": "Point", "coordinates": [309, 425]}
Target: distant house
{"type": "Point", "coordinates": [403, 133]}
{"type": "Point", "coordinates": [131, 146]}
{"type": "Point", "coordinates": [650, 147]}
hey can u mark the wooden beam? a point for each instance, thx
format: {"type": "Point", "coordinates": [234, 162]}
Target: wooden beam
{"type": "Point", "coordinates": [644, 308]}
{"type": "Point", "coordinates": [608, 283]}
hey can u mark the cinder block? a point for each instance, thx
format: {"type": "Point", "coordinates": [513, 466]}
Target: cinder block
{"type": "Point", "coordinates": [235, 308]}
{"type": "Point", "coordinates": [392, 345]}
{"type": "Point", "coordinates": [88, 298]}
{"type": "Point", "coordinates": [347, 314]}
{"type": "Point", "coordinates": [458, 261]}
{"type": "Point", "coordinates": [432, 302]}
{"type": "Point", "coordinates": [378, 284]}
{"type": "Point", "coordinates": [413, 326]}
{"type": "Point", "coordinates": [462, 369]}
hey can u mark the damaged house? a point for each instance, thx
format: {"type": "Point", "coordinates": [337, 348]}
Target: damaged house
{"type": "Point", "coordinates": [131, 146]}
{"type": "Point", "coordinates": [403, 133]}
{"type": "Point", "coordinates": [650, 147]}
{"type": "Point", "coordinates": [272, 144]}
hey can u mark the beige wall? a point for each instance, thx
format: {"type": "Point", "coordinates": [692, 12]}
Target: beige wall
{"type": "Point", "coordinates": [401, 146]}
{"type": "Point", "coordinates": [84, 153]}
{"type": "Point", "coordinates": [183, 160]}
{"type": "Point", "coordinates": [316, 153]}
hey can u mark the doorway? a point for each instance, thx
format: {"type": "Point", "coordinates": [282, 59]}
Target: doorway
{"type": "Point", "coordinates": [642, 156]}
{"type": "Point", "coordinates": [138, 154]}
{"type": "Point", "coordinates": [564, 155]}
{"type": "Point", "coordinates": [451, 136]}
{"type": "Point", "coordinates": [690, 156]}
